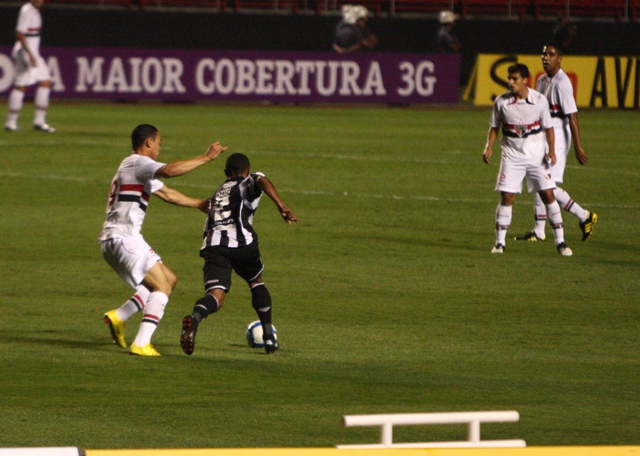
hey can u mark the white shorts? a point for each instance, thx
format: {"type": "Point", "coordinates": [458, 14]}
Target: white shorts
{"type": "Point", "coordinates": [557, 170]}
{"type": "Point", "coordinates": [512, 174]}
{"type": "Point", "coordinates": [27, 75]}
{"type": "Point", "coordinates": [130, 257]}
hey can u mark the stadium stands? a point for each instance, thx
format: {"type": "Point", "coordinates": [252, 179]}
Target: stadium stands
{"type": "Point", "coordinates": [335, 5]}
{"type": "Point", "coordinates": [615, 9]}
{"type": "Point", "coordinates": [508, 8]}
{"type": "Point", "coordinates": [422, 6]}
{"type": "Point", "coordinates": [539, 9]}
{"type": "Point", "coordinates": [126, 3]}
{"type": "Point", "coordinates": [220, 5]}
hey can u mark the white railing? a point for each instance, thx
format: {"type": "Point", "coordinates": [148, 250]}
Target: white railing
{"type": "Point", "coordinates": [472, 419]}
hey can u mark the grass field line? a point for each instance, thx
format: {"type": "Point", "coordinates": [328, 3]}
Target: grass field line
{"type": "Point", "coordinates": [325, 193]}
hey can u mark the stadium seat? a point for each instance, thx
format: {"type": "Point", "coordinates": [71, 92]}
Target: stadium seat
{"type": "Point", "coordinates": [549, 8]}
{"type": "Point", "coordinates": [126, 3]}
{"type": "Point", "coordinates": [220, 5]}
{"type": "Point", "coordinates": [271, 5]}
{"type": "Point", "coordinates": [495, 7]}
{"type": "Point", "coordinates": [335, 5]}
{"type": "Point", "coordinates": [634, 9]}
{"type": "Point", "coordinates": [421, 6]}
{"type": "Point", "coordinates": [597, 8]}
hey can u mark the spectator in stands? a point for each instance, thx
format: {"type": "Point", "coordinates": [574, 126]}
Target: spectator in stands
{"type": "Point", "coordinates": [447, 42]}
{"type": "Point", "coordinates": [30, 69]}
{"type": "Point", "coordinates": [352, 33]}
{"type": "Point", "coordinates": [564, 32]}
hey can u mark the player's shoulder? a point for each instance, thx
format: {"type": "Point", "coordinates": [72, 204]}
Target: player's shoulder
{"type": "Point", "coordinates": [537, 97]}
{"type": "Point", "coordinates": [28, 8]}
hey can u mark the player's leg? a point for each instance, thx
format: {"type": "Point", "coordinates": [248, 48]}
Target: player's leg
{"type": "Point", "coordinates": [554, 216]}
{"type": "Point", "coordinates": [25, 76]}
{"type": "Point", "coordinates": [539, 181]}
{"type": "Point", "coordinates": [205, 306]}
{"type": "Point", "coordinates": [540, 217]}
{"type": "Point", "coordinates": [261, 302]}
{"type": "Point", "coordinates": [117, 318]}
{"type": "Point", "coordinates": [42, 103]}
{"type": "Point", "coordinates": [15, 102]}
{"type": "Point", "coordinates": [509, 183]}
{"type": "Point", "coordinates": [161, 281]}
{"type": "Point", "coordinates": [586, 219]}
{"type": "Point", "coordinates": [504, 213]}
{"type": "Point", "coordinates": [217, 282]}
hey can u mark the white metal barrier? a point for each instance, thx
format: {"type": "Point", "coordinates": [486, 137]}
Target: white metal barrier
{"type": "Point", "coordinates": [472, 419]}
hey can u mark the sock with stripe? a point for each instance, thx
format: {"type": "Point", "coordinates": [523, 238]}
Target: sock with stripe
{"type": "Point", "coordinates": [503, 220]}
{"type": "Point", "coordinates": [135, 304]}
{"type": "Point", "coordinates": [540, 216]}
{"type": "Point", "coordinates": [204, 307]}
{"type": "Point", "coordinates": [555, 220]}
{"type": "Point", "coordinates": [15, 106]}
{"type": "Point", "coordinates": [153, 312]}
{"type": "Point", "coordinates": [569, 205]}
{"type": "Point", "coordinates": [42, 104]}
{"type": "Point", "coordinates": [261, 301]}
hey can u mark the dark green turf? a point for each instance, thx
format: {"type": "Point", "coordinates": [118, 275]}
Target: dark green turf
{"type": "Point", "coordinates": [386, 297]}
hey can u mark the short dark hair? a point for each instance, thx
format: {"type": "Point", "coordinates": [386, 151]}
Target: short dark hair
{"type": "Point", "coordinates": [519, 68]}
{"type": "Point", "coordinates": [556, 45]}
{"type": "Point", "coordinates": [236, 164]}
{"type": "Point", "coordinates": [141, 133]}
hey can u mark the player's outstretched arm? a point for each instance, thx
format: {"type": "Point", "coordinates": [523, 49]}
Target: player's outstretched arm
{"type": "Point", "coordinates": [488, 148]}
{"type": "Point", "coordinates": [581, 156]}
{"type": "Point", "coordinates": [182, 167]}
{"type": "Point", "coordinates": [173, 196]}
{"type": "Point", "coordinates": [286, 213]}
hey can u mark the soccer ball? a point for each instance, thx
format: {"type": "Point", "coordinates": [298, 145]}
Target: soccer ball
{"type": "Point", "coordinates": [254, 334]}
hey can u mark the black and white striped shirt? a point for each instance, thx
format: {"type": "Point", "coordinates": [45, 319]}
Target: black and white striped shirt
{"type": "Point", "coordinates": [231, 213]}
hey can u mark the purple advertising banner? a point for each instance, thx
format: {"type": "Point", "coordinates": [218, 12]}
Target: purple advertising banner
{"type": "Point", "coordinates": [178, 75]}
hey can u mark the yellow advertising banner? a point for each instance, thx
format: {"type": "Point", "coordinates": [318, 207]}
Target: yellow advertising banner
{"type": "Point", "coordinates": [598, 82]}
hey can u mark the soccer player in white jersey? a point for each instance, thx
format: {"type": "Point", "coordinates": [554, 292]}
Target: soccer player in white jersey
{"type": "Point", "coordinates": [231, 243]}
{"type": "Point", "coordinates": [30, 69]}
{"type": "Point", "coordinates": [557, 87]}
{"type": "Point", "coordinates": [122, 244]}
{"type": "Point", "coordinates": [527, 152]}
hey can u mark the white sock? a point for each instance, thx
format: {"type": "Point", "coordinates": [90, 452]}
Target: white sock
{"type": "Point", "coordinates": [153, 312]}
{"type": "Point", "coordinates": [42, 104]}
{"type": "Point", "coordinates": [555, 220]}
{"type": "Point", "coordinates": [540, 216]}
{"type": "Point", "coordinates": [569, 205]}
{"type": "Point", "coordinates": [15, 106]}
{"type": "Point", "coordinates": [135, 304]}
{"type": "Point", "coordinates": [503, 220]}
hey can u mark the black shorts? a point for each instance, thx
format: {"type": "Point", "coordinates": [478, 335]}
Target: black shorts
{"type": "Point", "coordinates": [219, 261]}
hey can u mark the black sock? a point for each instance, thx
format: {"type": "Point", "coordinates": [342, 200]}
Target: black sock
{"type": "Point", "coordinates": [261, 301]}
{"type": "Point", "coordinates": [204, 307]}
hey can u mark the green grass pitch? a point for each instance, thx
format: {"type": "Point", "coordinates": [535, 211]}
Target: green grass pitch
{"type": "Point", "coordinates": [386, 296]}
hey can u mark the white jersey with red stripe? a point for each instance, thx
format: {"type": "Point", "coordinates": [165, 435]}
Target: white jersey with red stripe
{"type": "Point", "coordinates": [129, 196]}
{"type": "Point", "coordinates": [30, 24]}
{"type": "Point", "coordinates": [559, 93]}
{"type": "Point", "coordinates": [523, 122]}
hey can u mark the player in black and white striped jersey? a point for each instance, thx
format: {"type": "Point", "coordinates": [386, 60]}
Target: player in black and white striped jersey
{"type": "Point", "coordinates": [231, 244]}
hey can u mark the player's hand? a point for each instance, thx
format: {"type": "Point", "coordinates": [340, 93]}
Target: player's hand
{"type": "Point", "coordinates": [204, 205]}
{"type": "Point", "coordinates": [551, 156]}
{"type": "Point", "coordinates": [288, 215]}
{"type": "Point", "coordinates": [215, 150]}
{"type": "Point", "coordinates": [32, 60]}
{"type": "Point", "coordinates": [487, 155]}
{"type": "Point", "coordinates": [581, 156]}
